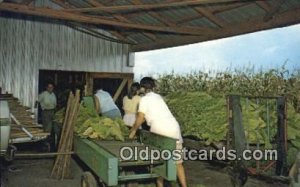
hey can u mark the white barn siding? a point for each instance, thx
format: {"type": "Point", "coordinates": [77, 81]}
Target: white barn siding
{"type": "Point", "coordinates": [27, 46]}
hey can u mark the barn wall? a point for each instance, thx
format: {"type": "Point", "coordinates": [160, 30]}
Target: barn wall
{"type": "Point", "coordinates": [27, 46]}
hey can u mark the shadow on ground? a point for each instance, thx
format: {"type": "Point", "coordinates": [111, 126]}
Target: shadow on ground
{"type": "Point", "coordinates": [36, 172]}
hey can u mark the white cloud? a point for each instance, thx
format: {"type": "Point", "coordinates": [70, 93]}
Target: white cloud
{"type": "Point", "coordinates": [142, 66]}
{"type": "Point", "coordinates": [266, 48]}
{"type": "Point", "coordinates": [270, 50]}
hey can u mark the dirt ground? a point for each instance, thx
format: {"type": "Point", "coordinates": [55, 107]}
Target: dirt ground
{"type": "Point", "coordinates": [215, 176]}
{"type": "Point", "coordinates": [36, 172]}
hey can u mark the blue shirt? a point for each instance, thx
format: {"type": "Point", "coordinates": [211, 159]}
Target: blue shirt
{"type": "Point", "coordinates": [106, 101]}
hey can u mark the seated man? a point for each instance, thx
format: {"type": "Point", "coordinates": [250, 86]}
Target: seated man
{"type": "Point", "coordinates": [153, 108]}
{"type": "Point", "coordinates": [105, 105]}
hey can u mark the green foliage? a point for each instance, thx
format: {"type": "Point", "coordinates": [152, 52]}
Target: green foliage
{"type": "Point", "coordinates": [197, 100]}
{"type": "Point", "coordinates": [293, 121]}
{"type": "Point", "coordinates": [244, 82]}
{"type": "Point", "coordinates": [292, 155]}
{"type": "Point", "coordinates": [199, 115]}
{"type": "Point", "coordinates": [59, 116]}
{"type": "Point", "coordinates": [90, 125]}
{"type": "Point", "coordinates": [205, 117]}
{"type": "Point", "coordinates": [101, 128]}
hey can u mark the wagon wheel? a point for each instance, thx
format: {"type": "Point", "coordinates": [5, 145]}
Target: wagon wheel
{"type": "Point", "coordinates": [88, 180]}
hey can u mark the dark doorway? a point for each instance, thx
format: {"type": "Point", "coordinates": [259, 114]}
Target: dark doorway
{"type": "Point", "coordinates": [111, 85]}
{"type": "Point", "coordinates": [64, 82]}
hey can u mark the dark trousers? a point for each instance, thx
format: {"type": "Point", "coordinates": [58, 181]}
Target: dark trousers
{"type": "Point", "coordinates": [52, 127]}
{"type": "Point", "coordinates": [47, 118]}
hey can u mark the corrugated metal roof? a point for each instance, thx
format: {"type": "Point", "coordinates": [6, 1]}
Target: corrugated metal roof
{"type": "Point", "coordinates": [241, 14]}
{"type": "Point", "coordinates": [286, 5]}
{"type": "Point", "coordinates": [80, 3]}
{"type": "Point", "coordinates": [139, 37]}
{"type": "Point", "coordinates": [119, 2]}
{"type": "Point", "coordinates": [203, 22]}
{"type": "Point", "coordinates": [150, 1]}
{"type": "Point", "coordinates": [43, 3]}
{"type": "Point", "coordinates": [221, 7]}
{"type": "Point", "coordinates": [165, 36]}
{"type": "Point", "coordinates": [180, 18]}
{"type": "Point", "coordinates": [113, 3]}
{"type": "Point", "coordinates": [177, 14]}
{"type": "Point", "coordinates": [145, 19]}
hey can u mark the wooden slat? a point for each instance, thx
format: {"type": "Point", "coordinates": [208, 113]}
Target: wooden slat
{"type": "Point", "coordinates": [23, 135]}
{"type": "Point", "coordinates": [23, 125]}
{"type": "Point", "coordinates": [59, 14]}
{"type": "Point", "coordinates": [61, 168]}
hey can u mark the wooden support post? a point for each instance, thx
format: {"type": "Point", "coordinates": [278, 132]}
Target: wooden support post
{"type": "Point", "coordinates": [89, 84]}
{"type": "Point", "coordinates": [130, 81]}
{"type": "Point", "coordinates": [118, 92]}
{"type": "Point", "coordinates": [281, 163]}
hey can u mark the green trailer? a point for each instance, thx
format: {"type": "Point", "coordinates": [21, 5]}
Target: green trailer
{"type": "Point", "coordinates": [103, 158]}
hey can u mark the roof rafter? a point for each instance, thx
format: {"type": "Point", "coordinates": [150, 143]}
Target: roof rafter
{"type": "Point", "coordinates": [264, 5]}
{"type": "Point", "coordinates": [118, 35]}
{"type": "Point", "coordinates": [62, 4]}
{"type": "Point", "coordinates": [210, 16]}
{"type": "Point", "coordinates": [270, 14]}
{"type": "Point", "coordinates": [221, 8]}
{"type": "Point", "coordinates": [27, 2]}
{"type": "Point", "coordinates": [135, 7]}
{"type": "Point", "coordinates": [255, 24]}
{"type": "Point", "coordinates": [207, 14]}
{"type": "Point", "coordinates": [156, 15]}
{"type": "Point", "coordinates": [187, 19]}
{"type": "Point", "coordinates": [121, 18]}
{"type": "Point", "coordinates": [61, 15]}
{"type": "Point", "coordinates": [226, 7]}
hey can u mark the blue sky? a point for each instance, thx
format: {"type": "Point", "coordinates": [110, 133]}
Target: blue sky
{"type": "Point", "coordinates": [265, 49]}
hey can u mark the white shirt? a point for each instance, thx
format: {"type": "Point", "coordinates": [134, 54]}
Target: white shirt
{"type": "Point", "coordinates": [47, 100]}
{"type": "Point", "coordinates": [159, 117]}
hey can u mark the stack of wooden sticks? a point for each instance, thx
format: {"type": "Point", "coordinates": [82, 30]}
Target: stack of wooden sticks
{"type": "Point", "coordinates": [22, 122]}
{"type": "Point", "coordinates": [61, 168]}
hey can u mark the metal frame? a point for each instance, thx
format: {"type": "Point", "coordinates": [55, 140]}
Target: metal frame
{"type": "Point", "coordinates": [107, 166]}
{"type": "Point", "coordinates": [102, 163]}
{"type": "Point", "coordinates": [237, 139]}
